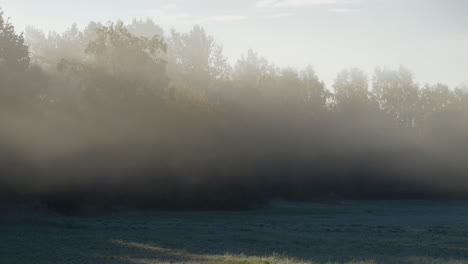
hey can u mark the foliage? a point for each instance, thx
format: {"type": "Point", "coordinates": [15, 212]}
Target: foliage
{"type": "Point", "coordinates": [14, 55]}
{"type": "Point", "coordinates": [121, 66]}
{"type": "Point", "coordinates": [125, 115]}
{"type": "Point", "coordinates": [196, 58]}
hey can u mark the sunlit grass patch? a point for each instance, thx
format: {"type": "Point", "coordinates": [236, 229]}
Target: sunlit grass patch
{"type": "Point", "coordinates": [165, 255]}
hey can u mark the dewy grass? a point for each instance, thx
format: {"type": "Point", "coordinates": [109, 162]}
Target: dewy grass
{"type": "Point", "coordinates": [358, 232]}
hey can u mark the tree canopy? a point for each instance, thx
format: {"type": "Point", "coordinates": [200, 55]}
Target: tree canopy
{"type": "Point", "coordinates": [127, 114]}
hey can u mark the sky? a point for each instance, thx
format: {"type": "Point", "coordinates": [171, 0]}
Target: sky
{"type": "Point", "coordinates": [430, 37]}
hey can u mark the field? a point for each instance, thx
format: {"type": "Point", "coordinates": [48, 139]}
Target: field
{"type": "Point", "coordinates": [327, 232]}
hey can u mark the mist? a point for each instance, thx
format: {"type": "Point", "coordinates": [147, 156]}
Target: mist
{"type": "Point", "coordinates": [131, 115]}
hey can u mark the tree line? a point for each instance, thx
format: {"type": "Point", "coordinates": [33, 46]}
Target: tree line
{"type": "Point", "coordinates": [128, 114]}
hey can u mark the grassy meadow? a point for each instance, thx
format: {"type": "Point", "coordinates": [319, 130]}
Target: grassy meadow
{"type": "Point", "coordinates": [348, 232]}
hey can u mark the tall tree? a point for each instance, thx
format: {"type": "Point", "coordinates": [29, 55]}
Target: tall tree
{"type": "Point", "coordinates": [14, 54]}
{"type": "Point", "coordinates": [196, 58]}
{"type": "Point", "coordinates": [351, 88]}
{"type": "Point", "coordinates": [14, 62]}
{"type": "Point", "coordinates": [252, 70]}
{"type": "Point", "coordinates": [397, 94]}
{"type": "Point", "coordinates": [316, 95]}
{"type": "Point", "coordinates": [145, 28]}
{"type": "Point", "coordinates": [435, 98]}
{"type": "Point", "coordinates": [48, 49]}
{"type": "Point", "coordinates": [121, 67]}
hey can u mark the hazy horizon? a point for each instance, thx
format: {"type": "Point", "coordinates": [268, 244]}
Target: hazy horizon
{"type": "Point", "coordinates": [428, 37]}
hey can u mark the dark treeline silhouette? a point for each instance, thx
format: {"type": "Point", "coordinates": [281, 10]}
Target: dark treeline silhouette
{"type": "Point", "coordinates": [128, 115]}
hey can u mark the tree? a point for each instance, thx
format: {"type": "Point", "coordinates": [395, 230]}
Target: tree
{"type": "Point", "coordinates": [461, 97]}
{"type": "Point", "coordinates": [316, 95]}
{"type": "Point", "coordinates": [290, 87]}
{"type": "Point", "coordinates": [252, 70]}
{"type": "Point", "coordinates": [397, 94]}
{"type": "Point", "coordinates": [48, 50]}
{"type": "Point", "coordinates": [121, 66]}
{"type": "Point", "coordinates": [196, 58]}
{"type": "Point", "coordinates": [119, 50]}
{"type": "Point", "coordinates": [145, 28]}
{"type": "Point", "coordinates": [14, 54]}
{"type": "Point", "coordinates": [351, 89]}
{"type": "Point", "coordinates": [14, 63]}
{"type": "Point", "coordinates": [435, 98]}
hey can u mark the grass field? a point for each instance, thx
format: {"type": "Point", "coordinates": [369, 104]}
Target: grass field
{"type": "Point", "coordinates": [333, 232]}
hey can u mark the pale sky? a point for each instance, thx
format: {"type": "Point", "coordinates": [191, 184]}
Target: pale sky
{"type": "Point", "coordinates": [430, 37]}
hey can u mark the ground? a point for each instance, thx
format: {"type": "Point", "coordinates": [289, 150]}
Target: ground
{"type": "Point", "coordinates": [355, 232]}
